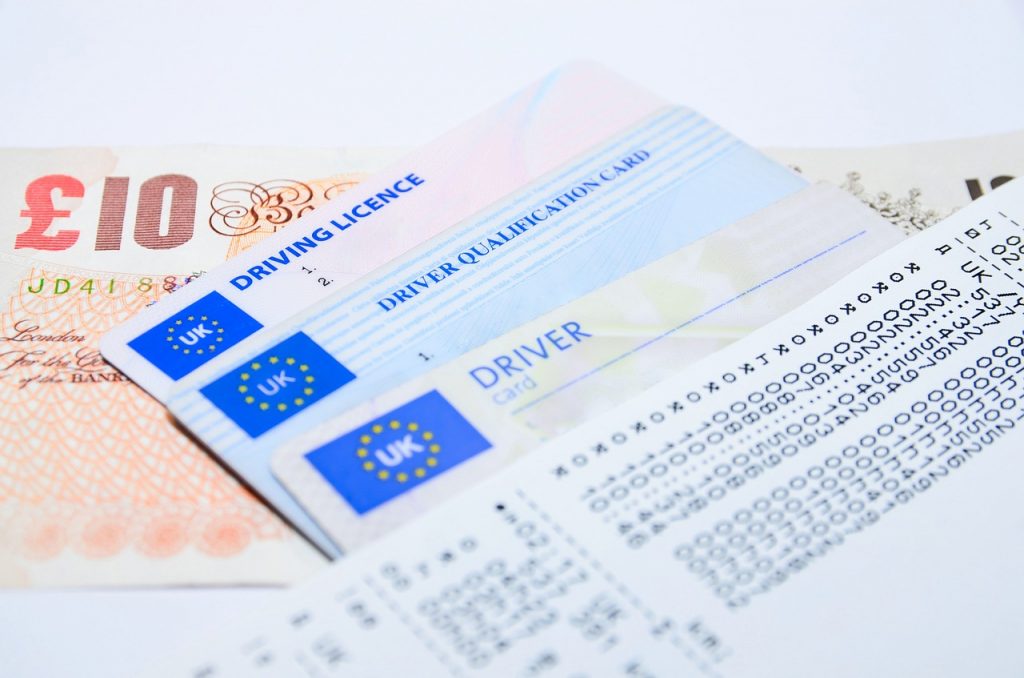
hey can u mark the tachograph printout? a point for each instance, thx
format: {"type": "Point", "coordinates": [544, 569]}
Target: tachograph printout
{"type": "Point", "coordinates": [796, 504]}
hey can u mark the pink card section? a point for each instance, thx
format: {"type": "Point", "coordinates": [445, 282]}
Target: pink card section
{"type": "Point", "coordinates": [462, 172]}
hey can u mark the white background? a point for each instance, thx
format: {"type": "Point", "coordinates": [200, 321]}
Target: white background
{"type": "Point", "coordinates": [396, 74]}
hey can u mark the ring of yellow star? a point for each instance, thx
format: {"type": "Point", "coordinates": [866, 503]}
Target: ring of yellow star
{"type": "Point", "coordinates": [211, 347]}
{"type": "Point", "coordinates": [264, 405]}
{"type": "Point", "coordinates": [384, 474]}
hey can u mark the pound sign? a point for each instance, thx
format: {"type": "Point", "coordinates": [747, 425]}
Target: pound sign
{"type": "Point", "coordinates": [39, 198]}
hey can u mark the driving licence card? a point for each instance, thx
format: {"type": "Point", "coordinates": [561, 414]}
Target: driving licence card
{"type": "Point", "coordinates": [359, 475]}
{"type": "Point", "coordinates": [664, 182]}
{"type": "Point", "coordinates": [503, 149]}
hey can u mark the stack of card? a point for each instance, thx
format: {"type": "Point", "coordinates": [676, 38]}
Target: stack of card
{"type": "Point", "coordinates": [558, 393]}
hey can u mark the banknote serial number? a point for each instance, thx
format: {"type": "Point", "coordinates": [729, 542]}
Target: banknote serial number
{"type": "Point", "coordinates": [72, 285]}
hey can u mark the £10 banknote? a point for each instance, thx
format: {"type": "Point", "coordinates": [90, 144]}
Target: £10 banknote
{"type": "Point", "coordinates": [100, 489]}
{"type": "Point", "coordinates": [97, 484]}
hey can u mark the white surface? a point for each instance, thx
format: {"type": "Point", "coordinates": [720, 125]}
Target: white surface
{"type": "Point", "coordinates": [393, 73]}
{"type": "Point", "coordinates": [779, 73]}
{"type": "Point", "coordinates": [112, 634]}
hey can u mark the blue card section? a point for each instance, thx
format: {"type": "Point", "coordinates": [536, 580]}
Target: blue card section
{"type": "Point", "coordinates": [398, 451]}
{"type": "Point", "coordinates": [276, 384]}
{"type": "Point", "coordinates": [657, 187]}
{"type": "Point", "coordinates": [194, 335]}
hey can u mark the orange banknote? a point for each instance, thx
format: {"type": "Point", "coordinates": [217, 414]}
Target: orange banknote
{"type": "Point", "coordinates": [98, 486]}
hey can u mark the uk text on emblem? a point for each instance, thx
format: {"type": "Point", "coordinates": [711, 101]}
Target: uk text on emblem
{"type": "Point", "coordinates": [194, 335]}
{"type": "Point", "coordinates": [276, 384]}
{"type": "Point", "coordinates": [398, 451]}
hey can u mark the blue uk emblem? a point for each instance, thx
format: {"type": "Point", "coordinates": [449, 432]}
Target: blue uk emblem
{"type": "Point", "coordinates": [398, 451]}
{"type": "Point", "coordinates": [277, 384]}
{"type": "Point", "coordinates": [192, 336]}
